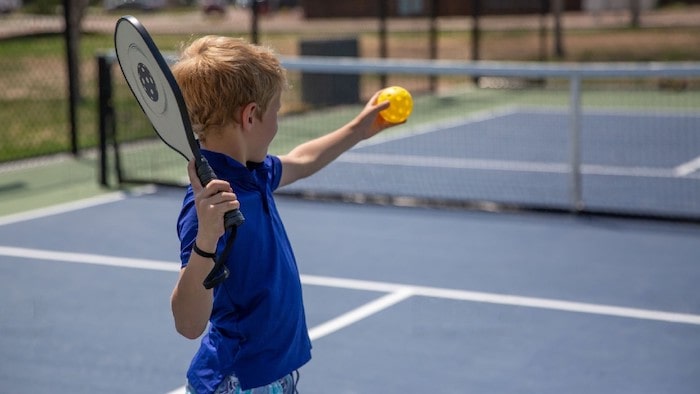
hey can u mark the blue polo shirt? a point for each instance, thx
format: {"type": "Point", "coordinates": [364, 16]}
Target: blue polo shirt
{"type": "Point", "coordinates": [258, 329]}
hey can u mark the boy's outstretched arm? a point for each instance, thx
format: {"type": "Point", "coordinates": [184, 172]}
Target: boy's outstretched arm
{"type": "Point", "coordinates": [311, 156]}
{"type": "Point", "coordinates": [191, 303]}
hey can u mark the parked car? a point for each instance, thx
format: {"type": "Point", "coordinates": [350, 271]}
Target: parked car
{"type": "Point", "coordinates": [146, 5]}
{"type": "Point", "coordinates": [213, 6]}
{"type": "Point", "coordinates": [7, 6]}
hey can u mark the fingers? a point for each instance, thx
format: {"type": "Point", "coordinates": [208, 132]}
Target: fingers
{"type": "Point", "coordinates": [212, 202]}
{"type": "Point", "coordinates": [218, 195]}
{"type": "Point", "coordinates": [221, 202]}
{"type": "Point", "coordinates": [370, 114]}
{"type": "Point", "coordinates": [192, 174]}
{"type": "Point", "coordinates": [382, 106]}
{"type": "Point", "coordinates": [213, 187]}
{"type": "Point", "coordinates": [378, 106]}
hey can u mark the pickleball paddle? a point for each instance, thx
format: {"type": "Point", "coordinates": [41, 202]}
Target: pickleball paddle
{"type": "Point", "coordinates": [157, 92]}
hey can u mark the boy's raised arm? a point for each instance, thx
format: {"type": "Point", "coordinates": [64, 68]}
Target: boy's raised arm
{"type": "Point", "coordinates": [311, 156]}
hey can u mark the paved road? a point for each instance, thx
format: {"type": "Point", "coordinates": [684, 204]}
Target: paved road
{"type": "Point", "coordinates": [293, 20]}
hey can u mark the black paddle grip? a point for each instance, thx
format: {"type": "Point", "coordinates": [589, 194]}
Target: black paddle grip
{"type": "Point", "coordinates": [233, 218]}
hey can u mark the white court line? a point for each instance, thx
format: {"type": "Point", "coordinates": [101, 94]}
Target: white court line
{"type": "Point", "coordinates": [502, 165]}
{"type": "Point", "coordinates": [434, 292]}
{"type": "Point", "coordinates": [61, 208]}
{"type": "Point", "coordinates": [73, 205]}
{"type": "Point", "coordinates": [456, 163]}
{"type": "Point", "coordinates": [505, 299]}
{"type": "Point", "coordinates": [360, 313]}
{"type": "Point", "coordinates": [179, 390]}
{"type": "Point", "coordinates": [409, 130]}
{"type": "Point", "coordinates": [92, 259]}
{"type": "Point", "coordinates": [396, 293]}
{"type": "Point", "coordinates": [687, 168]}
{"type": "Point", "coordinates": [348, 318]}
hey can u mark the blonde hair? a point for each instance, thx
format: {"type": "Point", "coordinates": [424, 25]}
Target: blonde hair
{"type": "Point", "coordinates": [220, 75]}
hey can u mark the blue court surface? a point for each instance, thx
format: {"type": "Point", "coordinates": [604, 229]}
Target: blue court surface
{"type": "Point", "coordinates": [631, 162]}
{"type": "Point", "coordinates": [398, 300]}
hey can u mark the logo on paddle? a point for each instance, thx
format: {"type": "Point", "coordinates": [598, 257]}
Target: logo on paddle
{"type": "Point", "coordinates": [147, 82]}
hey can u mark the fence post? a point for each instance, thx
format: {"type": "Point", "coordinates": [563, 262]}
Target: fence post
{"type": "Point", "coordinates": [383, 48]}
{"type": "Point", "coordinates": [433, 40]}
{"type": "Point", "coordinates": [106, 114]}
{"type": "Point", "coordinates": [254, 18]}
{"type": "Point", "coordinates": [575, 142]}
{"type": "Point", "coordinates": [72, 37]}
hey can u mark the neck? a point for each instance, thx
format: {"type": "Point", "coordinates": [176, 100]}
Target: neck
{"type": "Point", "coordinates": [228, 141]}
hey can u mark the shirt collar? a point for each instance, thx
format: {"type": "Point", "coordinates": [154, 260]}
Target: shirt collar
{"type": "Point", "coordinates": [230, 169]}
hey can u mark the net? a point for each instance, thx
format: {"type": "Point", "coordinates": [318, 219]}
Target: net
{"type": "Point", "coordinates": [610, 138]}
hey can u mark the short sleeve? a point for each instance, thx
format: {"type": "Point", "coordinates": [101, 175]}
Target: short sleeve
{"type": "Point", "coordinates": [187, 226]}
{"type": "Point", "coordinates": [275, 165]}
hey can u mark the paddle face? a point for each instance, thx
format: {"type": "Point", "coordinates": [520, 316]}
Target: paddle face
{"type": "Point", "coordinates": [154, 86]}
{"type": "Point", "coordinates": [160, 98]}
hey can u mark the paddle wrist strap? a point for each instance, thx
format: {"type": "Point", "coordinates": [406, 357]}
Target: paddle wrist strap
{"type": "Point", "coordinates": [220, 273]}
{"type": "Point", "coordinates": [202, 253]}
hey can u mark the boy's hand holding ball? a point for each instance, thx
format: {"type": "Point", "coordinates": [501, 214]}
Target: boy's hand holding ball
{"type": "Point", "coordinates": [400, 104]}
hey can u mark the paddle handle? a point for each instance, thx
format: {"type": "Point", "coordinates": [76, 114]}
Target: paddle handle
{"type": "Point", "coordinates": [233, 218]}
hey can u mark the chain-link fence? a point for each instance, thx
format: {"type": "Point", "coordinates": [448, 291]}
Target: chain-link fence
{"type": "Point", "coordinates": [33, 89]}
{"type": "Point", "coordinates": [33, 69]}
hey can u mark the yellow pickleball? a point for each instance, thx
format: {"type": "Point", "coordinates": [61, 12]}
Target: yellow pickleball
{"type": "Point", "coordinates": [400, 104]}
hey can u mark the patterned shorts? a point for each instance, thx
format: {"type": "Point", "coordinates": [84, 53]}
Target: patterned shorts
{"type": "Point", "coordinates": [230, 385]}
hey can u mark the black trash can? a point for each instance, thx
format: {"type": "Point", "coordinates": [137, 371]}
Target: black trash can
{"type": "Point", "coordinates": [324, 89]}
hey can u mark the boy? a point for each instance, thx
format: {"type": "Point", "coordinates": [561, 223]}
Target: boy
{"type": "Point", "coordinates": [258, 337]}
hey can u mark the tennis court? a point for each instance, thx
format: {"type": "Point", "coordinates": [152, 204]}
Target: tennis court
{"type": "Point", "coordinates": [398, 299]}
{"type": "Point", "coordinates": [632, 161]}
{"type": "Point", "coordinates": [617, 139]}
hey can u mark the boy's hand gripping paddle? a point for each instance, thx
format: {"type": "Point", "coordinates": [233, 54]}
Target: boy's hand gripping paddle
{"type": "Point", "coordinates": [160, 98]}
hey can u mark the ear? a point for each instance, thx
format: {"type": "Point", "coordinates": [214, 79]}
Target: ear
{"type": "Point", "coordinates": [248, 115]}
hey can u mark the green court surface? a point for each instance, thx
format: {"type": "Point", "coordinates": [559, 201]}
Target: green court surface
{"type": "Point", "coordinates": [41, 183]}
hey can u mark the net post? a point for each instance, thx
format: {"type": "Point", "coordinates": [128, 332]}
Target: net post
{"type": "Point", "coordinates": [575, 188]}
